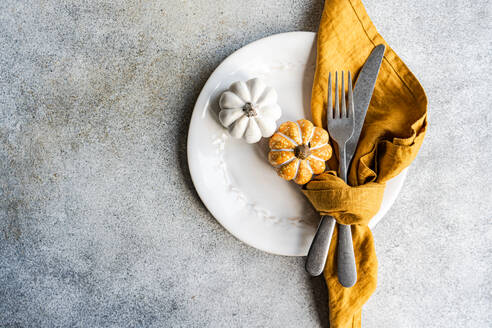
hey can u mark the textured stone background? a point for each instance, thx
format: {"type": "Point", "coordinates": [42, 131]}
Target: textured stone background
{"type": "Point", "coordinates": [100, 224]}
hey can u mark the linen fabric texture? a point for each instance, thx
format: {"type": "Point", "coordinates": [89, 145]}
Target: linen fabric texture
{"type": "Point", "coordinates": [392, 134]}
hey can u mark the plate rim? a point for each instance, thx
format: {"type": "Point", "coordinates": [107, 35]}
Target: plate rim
{"type": "Point", "coordinates": [200, 102]}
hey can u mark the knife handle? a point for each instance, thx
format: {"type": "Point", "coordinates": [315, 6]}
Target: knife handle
{"type": "Point", "coordinates": [318, 252]}
{"type": "Point", "coordinates": [346, 268]}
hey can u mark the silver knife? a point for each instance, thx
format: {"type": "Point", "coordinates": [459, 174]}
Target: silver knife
{"type": "Point", "coordinates": [318, 252]}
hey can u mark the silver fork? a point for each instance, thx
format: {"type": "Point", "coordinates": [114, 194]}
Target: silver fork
{"type": "Point", "coordinates": [341, 128]}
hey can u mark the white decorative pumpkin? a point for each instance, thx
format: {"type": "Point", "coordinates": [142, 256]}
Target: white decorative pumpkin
{"type": "Point", "coordinates": [250, 110]}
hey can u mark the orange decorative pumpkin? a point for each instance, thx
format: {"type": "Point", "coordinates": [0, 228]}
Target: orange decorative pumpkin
{"type": "Point", "coordinates": [298, 150]}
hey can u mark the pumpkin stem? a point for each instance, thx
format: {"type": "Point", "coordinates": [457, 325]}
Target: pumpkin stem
{"type": "Point", "coordinates": [302, 151]}
{"type": "Point", "coordinates": [249, 109]}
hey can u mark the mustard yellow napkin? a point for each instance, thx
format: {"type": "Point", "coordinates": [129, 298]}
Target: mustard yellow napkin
{"type": "Point", "coordinates": [393, 131]}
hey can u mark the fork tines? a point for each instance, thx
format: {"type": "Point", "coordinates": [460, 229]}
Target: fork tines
{"type": "Point", "coordinates": [337, 112]}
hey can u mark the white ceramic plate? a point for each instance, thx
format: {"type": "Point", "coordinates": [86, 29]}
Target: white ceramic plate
{"type": "Point", "coordinates": [234, 179]}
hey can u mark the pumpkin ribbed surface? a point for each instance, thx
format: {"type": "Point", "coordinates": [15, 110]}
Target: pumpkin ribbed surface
{"type": "Point", "coordinates": [298, 150]}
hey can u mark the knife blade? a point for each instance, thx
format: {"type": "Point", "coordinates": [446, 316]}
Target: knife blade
{"type": "Point", "coordinates": [363, 89]}
{"type": "Point", "coordinates": [364, 86]}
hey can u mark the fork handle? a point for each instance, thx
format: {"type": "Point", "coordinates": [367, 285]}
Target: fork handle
{"type": "Point", "coordinates": [347, 271]}
{"type": "Point", "coordinates": [346, 268]}
{"type": "Point", "coordinates": [318, 252]}
{"type": "Point", "coordinates": [342, 166]}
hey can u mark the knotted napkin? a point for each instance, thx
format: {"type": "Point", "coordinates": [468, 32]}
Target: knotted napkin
{"type": "Point", "coordinates": [393, 132]}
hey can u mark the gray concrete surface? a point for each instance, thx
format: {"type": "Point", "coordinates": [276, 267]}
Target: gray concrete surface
{"type": "Point", "coordinates": [100, 224]}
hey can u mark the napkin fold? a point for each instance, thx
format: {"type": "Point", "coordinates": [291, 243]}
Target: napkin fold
{"type": "Point", "coordinates": [393, 132]}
